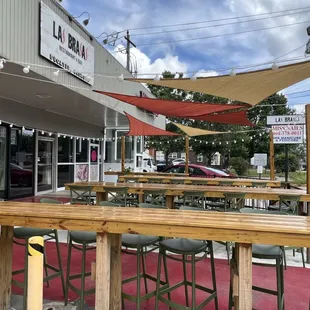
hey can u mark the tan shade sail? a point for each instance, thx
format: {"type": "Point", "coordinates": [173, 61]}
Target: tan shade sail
{"type": "Point", "coordinates": [248, 87]}
{"type": "Point", "coordinates": [191, 131]}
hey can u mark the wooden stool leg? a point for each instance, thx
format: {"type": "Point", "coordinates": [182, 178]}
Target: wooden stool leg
{"type": "Point", "coordinates": [6, 246]}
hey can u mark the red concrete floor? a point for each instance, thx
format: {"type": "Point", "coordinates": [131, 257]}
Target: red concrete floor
{"type": "Point", "coordinates": [297, 280]}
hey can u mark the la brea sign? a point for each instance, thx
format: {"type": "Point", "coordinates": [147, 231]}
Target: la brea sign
{"type": "Point", "coordinates": [286, 120]}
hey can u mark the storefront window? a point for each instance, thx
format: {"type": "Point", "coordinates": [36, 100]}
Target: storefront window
{"type": "Point", "coordinates": [3, 151]}
{"type": "Point", "coordinates": [81, 151]}
{"type": "Point", "coordinates": [65, 174]}
{"type": "Point", "coordinates": [65, 150]}
{"type": "Point", "coordinates": [129, 147]}
{"type": "Point", "coordinates": [21, 162]}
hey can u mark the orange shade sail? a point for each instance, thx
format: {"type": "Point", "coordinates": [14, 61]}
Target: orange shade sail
{"type": "Point", "coordinates": [232, 118]}
{"type": "Point", "coordinates": [172, 108]}
{"type": "Point", "coordinates": [139, 128]}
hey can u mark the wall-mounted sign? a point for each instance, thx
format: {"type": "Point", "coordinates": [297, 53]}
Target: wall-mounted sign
{"type": "Point", "coordinates": [288, 134]}
{"type": "Point", "coordinates": [286, 119]}
{"type": "Point", "coordinates": [63, 46]}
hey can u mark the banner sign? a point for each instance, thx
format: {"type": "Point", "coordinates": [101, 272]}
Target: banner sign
{"type": "Point", "coordinates": [63, 46]}
{"type": "Point", "coordinates": [288, 134]}
{"type": "Point", "coordinates": [286, 119]}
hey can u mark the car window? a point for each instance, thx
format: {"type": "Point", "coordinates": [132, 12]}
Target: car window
{"type": "Point", "coordinates": [199, 172]}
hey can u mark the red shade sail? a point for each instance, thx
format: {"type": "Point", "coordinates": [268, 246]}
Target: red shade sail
{"type": "Point", "coordinates": [232, 118]}
{"type": "Point", "coordinates": [139, 128]}
{"type": "Point", "coordinates": [173, 108]}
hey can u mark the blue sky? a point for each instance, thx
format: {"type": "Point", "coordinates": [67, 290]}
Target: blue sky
{"type": "Point", "coordinates": [204, 55]}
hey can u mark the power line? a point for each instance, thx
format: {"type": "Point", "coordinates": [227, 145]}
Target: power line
{"type": "Point", "coordinates": [218, 25]}
{"type": "Point", "coordinates": [223, 35]}
{"type": "Point", "coordinates": [217, 20]}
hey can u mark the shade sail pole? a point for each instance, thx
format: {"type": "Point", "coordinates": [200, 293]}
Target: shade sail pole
{"type": "Point", "coordinates": [308, 162]}
{"type": "Point", "coordinates": [186, 153]}
{"type": "Point", "coordinates": [271, 155]}
{"type": "Point", "coordinates": [123, 153]}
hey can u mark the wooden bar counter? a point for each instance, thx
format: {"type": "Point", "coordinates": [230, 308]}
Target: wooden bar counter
{"type": "Point", "coordinates": [110, 223]}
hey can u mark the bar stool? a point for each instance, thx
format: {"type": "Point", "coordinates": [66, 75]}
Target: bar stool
{"type": "Point", "coordinates": [83, 242]}
{"type": "Point", "coordinates": [119, 195]}
{"type": "Point", "coordinates": [187, 248]}
{"type": "Point", "coordinates": [156, 197]}
{"type": "Point", "coordinates": [194, 199]}
{"type": "Point", "coordinates": [290, 205]}
{"type": "Point", "coordinates": [24, 233]}
{"type": "Point", "coordinates": [267, 252]}
{"type": "Point", "coordinates": [81, 195]}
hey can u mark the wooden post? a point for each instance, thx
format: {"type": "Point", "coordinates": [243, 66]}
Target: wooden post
{"type": "Point", "coordinates": [116, 272]}
{"type": "Point", "coordinates": [186, 153]}
{"type": "Point", "coordinates": [123, 153]}
{"type": "Point", "coordinates": [271, 155]}
{"type": "Point", "coordinates": [308, 163]}
{"type": "Point", "coordinates": [6, 246]}
{"type": "Point", "coordinates": [243, 257]}
{"type": "Point", "coordinates": [35, 273]}
{"type": "Point", "coordinates": [103, 253]}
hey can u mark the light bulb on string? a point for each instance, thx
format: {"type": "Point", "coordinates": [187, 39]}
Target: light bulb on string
{"type": "Point", "coordinates": [120, 78]}
{"type": "Point", "coordinates": [11, 125]}
{"type": "Point", "coordinates": [23, 128]}
{"type": "Point", "coordinates": [233, 72]}
{"type": "Point", "coordinates": [32, 130]}
{"type": "Point", "coordinates": [193, 77]}
{"type": "Point", "coordinates": [56, 73]}
{"type": "Point", "coordinates": [157, 77]}
{"type": "Point", "coordinates": [26, 69]}
{"type": "Point", "coordinates": [275, 66]}
{"type": "Point", "coordinates": [2, 62]}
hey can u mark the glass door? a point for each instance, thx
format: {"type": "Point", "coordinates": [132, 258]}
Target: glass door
{"type": "Point", "coordinates": [21, 163]}
{"type": "Point", "coordinates": [94, 163]}
{"type": "Point", "coordinates": [45, 165]}
{"type": "Point", "coordinates": [3, 162]}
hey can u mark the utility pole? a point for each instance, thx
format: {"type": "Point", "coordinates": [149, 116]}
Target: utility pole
{"type": "Point", "coordinates": [129, 42]}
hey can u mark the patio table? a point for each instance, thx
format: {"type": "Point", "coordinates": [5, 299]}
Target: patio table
{"type": "Point", "coordinates": [110, 223]}
{"type": "Point", "coordinates": [206, 181]}
{"type": "Point", "coordinates": [173, 190]}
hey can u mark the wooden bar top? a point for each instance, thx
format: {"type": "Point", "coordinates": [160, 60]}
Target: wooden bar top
{"type": "Point", "coordinates": [242, 228]}
{"type": "Point", "coordinates": [211, 181]}
{"type": "Point", "coordinates": [210, 191]}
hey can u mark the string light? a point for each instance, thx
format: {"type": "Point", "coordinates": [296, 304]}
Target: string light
{"type": "Point", "coordinates": [275, 66]}
{"type": "Point", "coordinates": [233, 72]}
{"type": "Point", "coordinates": [157, 78]}
{"type": "Point", "coordinates": [120, 78]}
{"type": "Point", "coordinates": [56, 73]}
{"type": "Point", "coordinates": [26, 69]}
{"type": "Point", "coordinates": [11, 125]}
{"type": "Point", "coordinates": [2, 62]}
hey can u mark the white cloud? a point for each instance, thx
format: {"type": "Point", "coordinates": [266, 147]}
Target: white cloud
{"type": "Point", "coordinates": [146, 67]}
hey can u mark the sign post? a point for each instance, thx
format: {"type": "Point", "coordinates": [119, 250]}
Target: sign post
{"type": "Point", "coordinates": [260, 160]}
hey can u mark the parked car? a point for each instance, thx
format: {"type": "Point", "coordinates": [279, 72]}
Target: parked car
{"type": "Point", "coordinates": [23, 177]}
{"type": "Point", "coordinates": [178, 161]}
{"type": "Point", "coordinates": [199, 171]}
{"type": "Point", "coordinates": [161, 165]}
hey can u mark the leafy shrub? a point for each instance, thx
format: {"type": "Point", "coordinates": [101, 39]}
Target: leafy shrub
{"type": "Point", "coordinates": [240, 165]}
{"type": "Point", "coordinates": [293, 162]}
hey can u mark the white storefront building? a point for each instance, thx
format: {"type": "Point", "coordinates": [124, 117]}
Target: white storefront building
{"type": "Point", "coordinates": [54, 129]}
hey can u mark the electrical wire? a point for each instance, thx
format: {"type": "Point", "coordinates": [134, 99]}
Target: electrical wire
{"type": "Point", "coordinates": [222, 35]}
{"type": "Point", "coordinates": [213, 26]}
{"type": "Point", "coordinates": [216, 20]}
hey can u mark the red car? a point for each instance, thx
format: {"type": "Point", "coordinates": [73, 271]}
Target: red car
{"type": "Point", "coordinates": [199, 171]}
